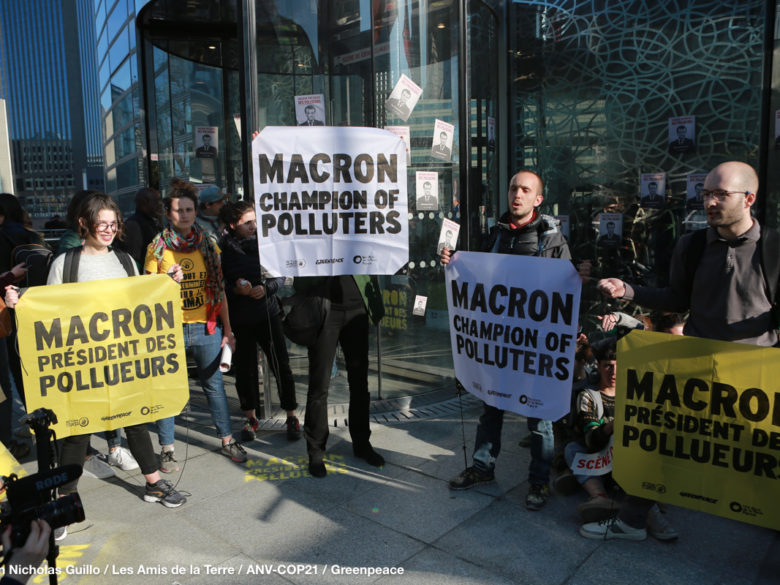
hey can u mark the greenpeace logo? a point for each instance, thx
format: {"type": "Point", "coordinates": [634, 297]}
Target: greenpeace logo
{"type": "Point", "coordinates": [699, 497]}
{"type": "Point", "coordinates": [116, 416]}
{"type": "Point", "coordinates": [329, 260]}
{"type": "Point", "coordinates": [499, 394]}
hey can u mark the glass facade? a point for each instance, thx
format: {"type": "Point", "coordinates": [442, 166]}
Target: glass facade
{"type": "Point", "coordinates": [121, 105]}
{"type": "Point", "coordinates": [598, 92]}
{"type": "Point", "coordinates": [351, 54]}
{"type": "Point", "coordinates": [592, 95]}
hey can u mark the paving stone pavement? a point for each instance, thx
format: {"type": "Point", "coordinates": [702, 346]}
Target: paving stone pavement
{"type": "Point", "coordinates": [268, 522]}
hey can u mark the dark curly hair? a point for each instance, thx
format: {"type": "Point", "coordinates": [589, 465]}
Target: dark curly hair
{"type": "Point", "coordinates": [177, 189]}
{"type": "Point", "coordinates": [231, 212]}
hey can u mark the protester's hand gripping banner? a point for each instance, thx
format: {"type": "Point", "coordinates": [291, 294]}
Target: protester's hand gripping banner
{"type": "Point", "coordinates": [103, 354]}
{"type": "Point", "coordinates": [330, 200]}
{"type": "Point", "coordinates": [513, 330]}
{"type": "Point", "coordinates": [697, 424]}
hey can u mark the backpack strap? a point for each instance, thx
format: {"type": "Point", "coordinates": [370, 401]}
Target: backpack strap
{"type": "Point", "coordinates": [691, 257]}
{"type": "Point", "coordinates": [70, 269]}
{"type": "Point", "coordinates": [770, 262]}
{"type": "Point", "coordinates": [127, 261]}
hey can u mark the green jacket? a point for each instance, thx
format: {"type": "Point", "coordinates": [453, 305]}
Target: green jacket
{"type": "Point", "coordinates": [367, 285]}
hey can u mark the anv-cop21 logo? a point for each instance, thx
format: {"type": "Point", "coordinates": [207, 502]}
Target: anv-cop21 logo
{"type": "Point", "coordinates": [368, 260]}
{"type": "Point", "coordinates": [295, 263]}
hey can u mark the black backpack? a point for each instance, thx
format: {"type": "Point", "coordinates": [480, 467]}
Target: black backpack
{"type": "Point", "coordinates": [37, 258]}
{"type": "Point", "coordinates": [70, 269]}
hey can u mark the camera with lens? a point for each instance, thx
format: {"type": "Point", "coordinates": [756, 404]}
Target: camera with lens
{"type": "Point", "coordinates": [32, 498]}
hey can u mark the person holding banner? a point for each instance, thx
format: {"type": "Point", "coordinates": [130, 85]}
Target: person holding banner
{"type": "Point", "coordinates": [183, 247]}
{"type": "Point", "coordinates": [353, 301]}
{"type": "Point", "coordinates": [726, 276]}
{"type": "Point", "coordinates": [255, 311]}
{"type": "Point", "coordinates": [100, 222]}
{"type": "Point", "coordinates": [523, 231]}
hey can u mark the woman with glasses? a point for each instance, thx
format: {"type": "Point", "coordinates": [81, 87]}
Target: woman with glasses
{"type": "Point", "coordinates": [99, 223]}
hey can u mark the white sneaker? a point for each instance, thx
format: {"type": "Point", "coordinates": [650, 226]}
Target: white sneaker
{"type": "Point", "coordinates": [60, 533]}
{"type": "Point", "coordinates": [97, 468]}
{"type": "Point", "coordinates": [658, 526]}
{"type": "Point", "coordinates": [612, 528]}
{"type": "Point", "coordinates": [122, 458]}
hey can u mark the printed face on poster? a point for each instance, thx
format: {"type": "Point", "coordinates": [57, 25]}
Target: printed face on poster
{"type": "Point", "coordinates": [403, 98]}
{"type": "Point", "coordinates": [610, 229]}
{"type": "Point", "coordinates": [206, 141]}
{"type": "Point", "coordinates": [448, 236]}
{"type": "Point", "coordinates": [442, 140]}
{"type": "Point", "coordinates": [682, 134]}
{"type": "Point", "coordinates": [694, 184]}
{"type": "Point", "coordinates": [653, 190]}
{"type": "Point", "coordinates": [331, 200]}
{"type": "Point", "coordinates": [427, 188]}
{"type": "Point", "coordinates": [310, 109]}
{"type": "Point", "coordinates": [513, 330]}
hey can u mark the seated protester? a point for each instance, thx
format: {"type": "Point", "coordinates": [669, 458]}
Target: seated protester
{"type": "Point", "coordinates": [595, 420]}
{"type": "Point", "coordinates": [593, 424]}
{"type": "Point", "coordinates": [184, 248]}
{"type": "Point", "coordinates": [100, 221]}
{"type": "Point", "coordinates": [255, 315]}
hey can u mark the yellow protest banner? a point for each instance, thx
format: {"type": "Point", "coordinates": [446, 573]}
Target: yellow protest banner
{"type": "Point", "coordinates": [103, 354]}
{"type": "Point", "coordinates": [697, 424]}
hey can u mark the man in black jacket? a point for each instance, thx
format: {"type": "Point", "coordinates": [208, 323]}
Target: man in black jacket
{"type": "Point", "coordinates": [524, 231]}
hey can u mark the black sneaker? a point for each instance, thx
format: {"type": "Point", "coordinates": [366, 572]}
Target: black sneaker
{"type": "Point", "coordinates": [470, 477]}
{"type": "Point", "coordinates": [293, 428]}
{"type": "Point", "coordinates": [537, 497]}
{"type": "Point", "coordinates": [163, 492]}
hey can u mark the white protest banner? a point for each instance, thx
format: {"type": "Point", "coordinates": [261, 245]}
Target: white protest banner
{"type": "Point", "coordinates": [599, 463]}
{"type": "Point", "coordinates": [330, 200]}
{"type": "Point", "coordinates": [513, 328]}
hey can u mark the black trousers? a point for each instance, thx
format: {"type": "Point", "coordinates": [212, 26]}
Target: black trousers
{"type": "Point", "coordinates": [270, 337]}
{"type": "Point", "coordinates": [349, 328]}
{"type": "Point", "coordinates": [74, 450]}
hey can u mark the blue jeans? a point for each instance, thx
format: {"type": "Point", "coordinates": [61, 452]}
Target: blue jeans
{"type": "Point", "coordinates": [488, 444]}
{"type": "Point", "coordinates": [206, 351]}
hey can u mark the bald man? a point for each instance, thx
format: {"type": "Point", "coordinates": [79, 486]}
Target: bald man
{"type": "Point", "coordinates": [729, 265]}
{"type": "Point", "coordinates": [718, 274]}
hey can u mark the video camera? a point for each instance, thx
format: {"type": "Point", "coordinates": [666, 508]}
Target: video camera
{"type": "Point", "coordinates": [32, 498]}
